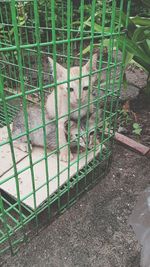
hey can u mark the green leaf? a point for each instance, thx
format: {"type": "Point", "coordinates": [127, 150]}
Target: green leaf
{"type": "Point", "coordinates": [86, 50]}
{"type": "Point", "coordinates": [128, 58]}
{"type": "Point", "coordinates": [147, 34]}
{"type": "Point", "coordinates": [133, 48]}
{"type": "Point", "coordinates": [97, 27]}
{"type": "Point", "coordinates": [140, 38]}
{"type": "Point", "coordinates": [137, 129]}
{"type": "Point", "coordinates": [141, 21]}
{"type": "Point", "coordinates": [148, 43]}
{"type": "Point", "coordinates": [11, 32]}
{"type": "Point", "coordinates": [121, 15]}
{"type": "Point", "coordinates": [20, 23]}
{"type": "Point", "coordinates": [145, 47]}
{"type": "Point", "coordinates": [106, 42]}
{"type": "Point", "coordinates": [140, 33]}
{"type": "Point", "coordinates": [136, 125]}
{"type": "Point", "coordinates": [77, 22]}
{"type": "Point", "coordinates": [143, 64]}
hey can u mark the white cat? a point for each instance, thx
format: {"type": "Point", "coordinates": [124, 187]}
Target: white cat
{"type": "Point", "coordinates": [75, 102]}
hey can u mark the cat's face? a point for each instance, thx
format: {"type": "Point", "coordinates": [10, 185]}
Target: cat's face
{"type": "Point", "coordinates": [76, 96]}
{"type": "Point", "coordinates": [81, 136]}
{"type": "Point", "coordinates": [75, 135]}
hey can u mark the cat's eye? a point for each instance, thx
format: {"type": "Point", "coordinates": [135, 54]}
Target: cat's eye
{"type": "Point", "coordinates": [85, 88]}
{"type": "Point", "coordinates": [71, 89]}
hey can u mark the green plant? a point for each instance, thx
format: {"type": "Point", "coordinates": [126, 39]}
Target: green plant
{"type": "Point", "coordinates": [137, 129]}
{"type": "Point", "coordinates": [124, 117]}
{"type": "Point", "coordinates": [137, 42]}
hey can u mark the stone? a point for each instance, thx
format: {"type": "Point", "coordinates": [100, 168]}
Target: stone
{"type": "Point", "coordinates": [130, 93]}
{"type": "Point", "coordinates": [122, 130]}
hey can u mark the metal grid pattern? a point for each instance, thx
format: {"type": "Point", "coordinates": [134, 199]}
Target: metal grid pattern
{"type": "Point", "coordinates": [30, 32]}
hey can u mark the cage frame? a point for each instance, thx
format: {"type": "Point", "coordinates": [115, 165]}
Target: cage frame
{"type": "Point", "coordinates": [99, 166]}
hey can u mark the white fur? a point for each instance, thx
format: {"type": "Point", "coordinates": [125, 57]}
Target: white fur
{"type": "Point", "coordinates": [62, 98]}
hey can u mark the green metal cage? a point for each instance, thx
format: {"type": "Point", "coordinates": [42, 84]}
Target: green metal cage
{"type": "Point", "coordinates": [70, 33]}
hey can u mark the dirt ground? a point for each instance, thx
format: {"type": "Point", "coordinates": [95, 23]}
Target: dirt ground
{"type": "Point", "coordinates": [95, 232]}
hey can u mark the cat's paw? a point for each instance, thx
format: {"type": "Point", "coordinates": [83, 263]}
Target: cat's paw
{"type": "Point", "coordinates": [64, 156]}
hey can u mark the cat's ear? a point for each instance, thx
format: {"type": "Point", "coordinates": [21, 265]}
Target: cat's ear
{"type": "Point", "coordinates": [94, 63]}
{"type": "Point", "coordinates": [61, 72]}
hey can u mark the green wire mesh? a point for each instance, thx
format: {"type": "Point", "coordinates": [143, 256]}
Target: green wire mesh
{"type": "Point", "coordinates": [30, 32]}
